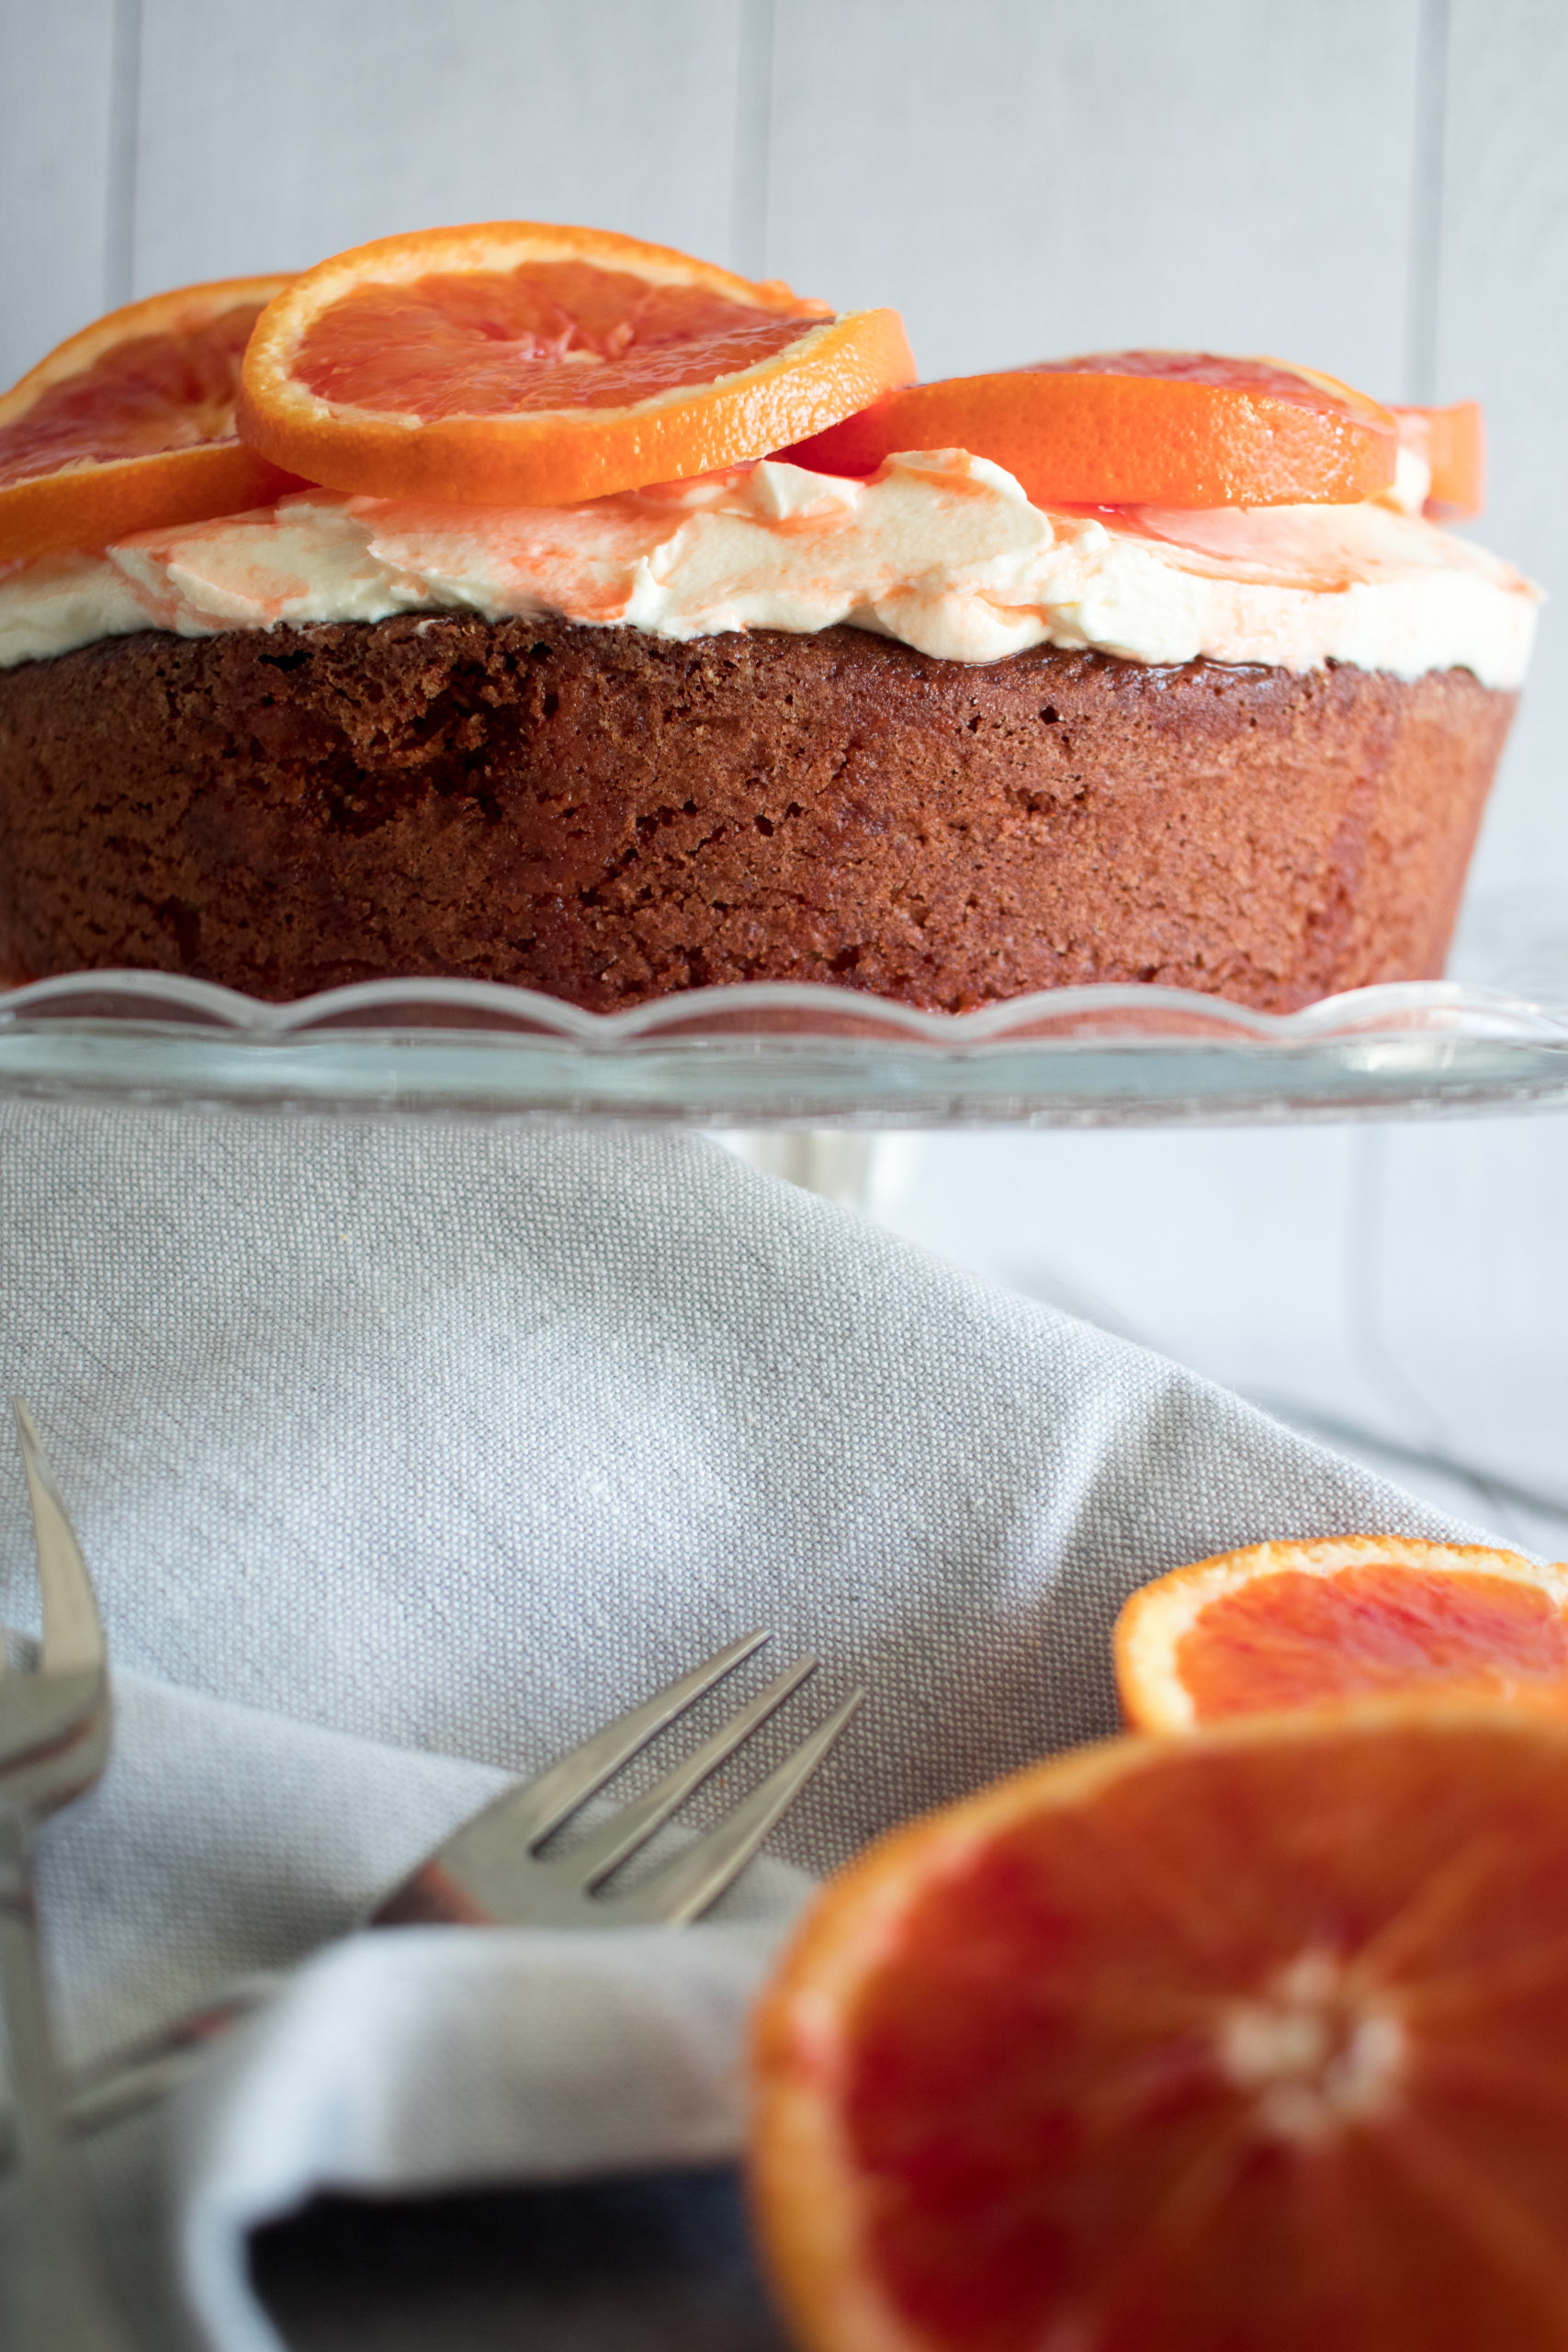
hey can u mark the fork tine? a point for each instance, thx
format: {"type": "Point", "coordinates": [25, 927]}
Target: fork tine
{"type": "Point", "coordinates": [526, 1816]}
{"type": "Point", "coordinates": [595, 1856]}
{"type": "Point", "coordinates": [73, 1634]}
{"type": "Point", "coordinates": [693, 1881]}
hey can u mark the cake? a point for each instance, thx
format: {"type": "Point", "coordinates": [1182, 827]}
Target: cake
{"type": "Point", "coordinates": [913, 733]}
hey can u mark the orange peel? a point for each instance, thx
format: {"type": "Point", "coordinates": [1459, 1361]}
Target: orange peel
{"type": "Point", "coordinates": [1139, 428]}
{"type": "Point", "coordinates": [1453, 443]}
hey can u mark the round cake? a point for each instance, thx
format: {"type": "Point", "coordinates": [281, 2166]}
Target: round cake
{"type": "Point", "coordinates": [526, 661]}
{"type": "Point", "coordinates": [607, 815]}
{"type": "Point", "coordinates": [912, 735]}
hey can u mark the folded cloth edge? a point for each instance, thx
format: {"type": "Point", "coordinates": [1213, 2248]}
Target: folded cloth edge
{"type": "Point", "coordinates": [420, 2059]}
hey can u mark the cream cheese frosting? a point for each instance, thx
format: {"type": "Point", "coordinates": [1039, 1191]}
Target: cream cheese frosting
{"type": "Point", "coordinates": [938, 549]}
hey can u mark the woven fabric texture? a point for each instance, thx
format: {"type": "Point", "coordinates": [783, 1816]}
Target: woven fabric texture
{"type": "Point", "coordinates": [403, 1457]}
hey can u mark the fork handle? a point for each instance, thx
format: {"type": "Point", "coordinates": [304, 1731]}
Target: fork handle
{"type": "Point", "coordinates": [50, 2285]}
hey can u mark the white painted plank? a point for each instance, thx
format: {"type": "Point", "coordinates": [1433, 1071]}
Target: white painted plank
{"type": "Point", "coordinates": [1227, 1250]}
{"type": "Point", "coordinates": [1473, 1296]}
{"type": "Point", "coordinates": [1029, 177]}
{"type": "Point", "coordinates": [56, 74]}
{"type": "Point", "coordinates": [1502, 338]}
{"type": "Point", "coordinates": [273, 137]}
{"type": "Point", "coordinates": [1472, 1293]}
{"type": "Point", "coordinates": [1410, 1282]}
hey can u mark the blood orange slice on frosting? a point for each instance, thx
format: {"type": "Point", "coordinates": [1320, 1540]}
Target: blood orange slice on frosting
{"type": "Point", "coordinates": [1139, 428]}
{"type": "Point", "coordinates": [514, 363]}
{"type": "Point", "coordinates": [1355, 1616]}
{"type": "Point", "coordinates": [1453, 443]}
{"type": "Point", "coordinates": [131, 425]}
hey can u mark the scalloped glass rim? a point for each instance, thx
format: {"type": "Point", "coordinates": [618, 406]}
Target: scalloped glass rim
{"type": "Point", "coordinates": [795, 1052]}
{"type": "Point", "coordinates": [754, 1008]}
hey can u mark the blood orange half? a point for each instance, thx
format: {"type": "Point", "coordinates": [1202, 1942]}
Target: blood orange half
{"type": "Point", "coordinates": [514, 363]}
{"type": "Point", "coordinates": [1293, 1625]}
{"type": "Point", "coordinates": [1255, 2040]}
{"type": "Point", "coordinates": [1134, 429]}
{"type": "Point", "coordinates": [131, 425]}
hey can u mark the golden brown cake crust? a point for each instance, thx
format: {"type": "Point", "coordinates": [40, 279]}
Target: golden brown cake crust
{"type": "Point", "coordinates": [607, 816]}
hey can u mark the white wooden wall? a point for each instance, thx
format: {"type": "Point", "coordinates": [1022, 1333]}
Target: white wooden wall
{"type": "Point", "coordinates": [1376, 187]}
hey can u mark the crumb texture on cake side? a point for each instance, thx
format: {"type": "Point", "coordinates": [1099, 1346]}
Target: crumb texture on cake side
{"type": "Point", "coordinates": [606, 816]}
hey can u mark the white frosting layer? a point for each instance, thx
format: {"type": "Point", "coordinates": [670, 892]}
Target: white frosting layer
{"type": "Point", "coordinates": [939, 548]}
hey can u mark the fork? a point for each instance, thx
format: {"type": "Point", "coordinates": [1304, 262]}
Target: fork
{"type": "Point", "coordinates": [490, 1871]}
{"type": "Point", "coordinates": [54, 1741]}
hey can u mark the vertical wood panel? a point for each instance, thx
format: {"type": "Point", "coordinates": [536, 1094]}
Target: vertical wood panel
{"type": "Point", "coordinates": [310, 125]}
{"type": "Point", "coordinates": [1172, 1240]}
{"type": "Point", "coordinates": [1025, 177]}
{"type": "Point", "coordinates": [1473, 1273]}
{"type": "Point", "coordinates": [1472, 1292]}
{"type": "Point", "coordinates": [56, 99]}
{"type": "Point", "coordinates": [1409, 1283]}
{"type": "Point", "coordinates": [1502, 338]}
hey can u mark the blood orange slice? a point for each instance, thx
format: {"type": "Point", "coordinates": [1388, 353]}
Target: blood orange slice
{"type": "Point", "coordinates": [131, 425]}
{"type": "Point", "coordinates": [1139, 428]}
{"type": "Point", "coordinates": [1293, 1625]}
{"type": "Point", "coordinates": [517, 363]}
{"type": "Point", "coordinates": [1452, 441]}
{"type": "Point", "coordinates": [1255, 2040]}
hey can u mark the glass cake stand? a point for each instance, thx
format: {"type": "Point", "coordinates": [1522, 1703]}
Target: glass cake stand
{"type": "Point", "coordinates": [802, 1056]}
{"type": "Point", "coordinates": [1495, 1036]}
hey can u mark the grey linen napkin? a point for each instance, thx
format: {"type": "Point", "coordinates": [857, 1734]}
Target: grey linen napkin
{"type": "Point", "coordinates": [403, 1457]}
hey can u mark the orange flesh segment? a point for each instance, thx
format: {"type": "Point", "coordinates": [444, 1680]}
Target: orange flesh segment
{"type": "Point", "coordinates": [153, 393]}
{"type": "Point", "coordinates": [546, 336]}
{"type": "Point", "coordinates": [1292, 1640]}
{"type": "Point", "coordinates": [1212, 368]}
{"type": "Point", "coordinates": [1263, 2049]}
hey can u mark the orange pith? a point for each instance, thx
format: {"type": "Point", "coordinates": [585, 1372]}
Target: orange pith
{"type": "Point", "coordinates": [1253, 2039]}
{"type": "Point", "coordinates": [1296, 1625]}
{"type": "Point", "coordinates": [1163, 429]}
{"type": "Point", "coordinates": [514, 363]}
{"type": "Point", "coordinates": [131, 425]}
